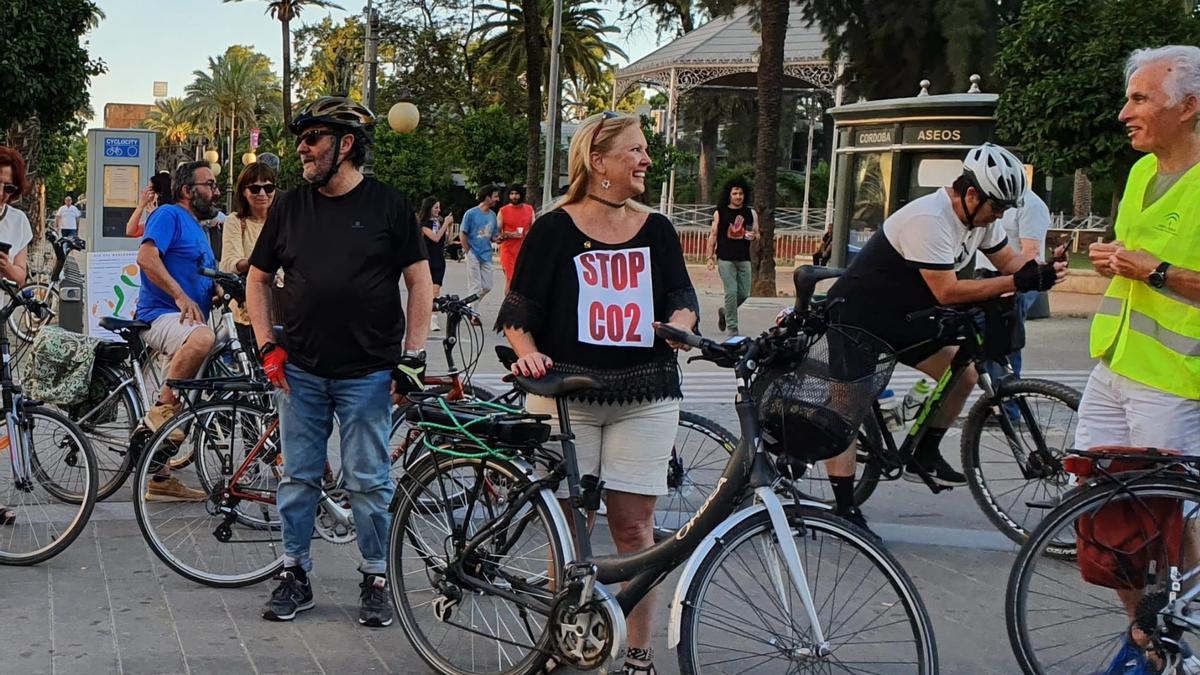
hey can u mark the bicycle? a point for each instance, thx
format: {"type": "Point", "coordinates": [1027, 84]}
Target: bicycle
{"type": "Point", "coordinates": [1058, 621]}
{"type": "Point", "coordinates": [45, 289]}
{"type": "Point", "coordinates": [126, 382]}
{"type": "Point", "coordinates": [498, 560]}
{"type": "Point", "coordinates": [48, 477]}
{"type": "Point", "coordinates": [1003, 457]}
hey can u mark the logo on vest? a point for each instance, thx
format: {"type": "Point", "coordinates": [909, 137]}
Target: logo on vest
{"type": "Point", "coordinates": [1170, 224]}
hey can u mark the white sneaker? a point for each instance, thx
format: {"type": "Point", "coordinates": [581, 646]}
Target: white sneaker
{"type": "Point", "coordinates": [433, 324]}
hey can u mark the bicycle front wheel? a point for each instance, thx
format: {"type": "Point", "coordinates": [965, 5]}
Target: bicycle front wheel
{"type": "Point", "coordinates": [1058, 622]}
{"type": "Point", "coordinates": [49, 497]}
{"type": "Point", "coordinates": [742, 613]}
{"type": "Point", "coordinates": [218, 525]}
{"type": "Point", "coordinates": [1014, 464]}
{"type": "Point", "coordinates": [456, 627]}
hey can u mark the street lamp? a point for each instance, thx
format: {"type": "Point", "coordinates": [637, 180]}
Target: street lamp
{"type": "Point", "coordinates": [404, 116]}
{"type": "Point", "coordinates": [249, 158]}
{"type": "Point", "coordinates": [211, 156]}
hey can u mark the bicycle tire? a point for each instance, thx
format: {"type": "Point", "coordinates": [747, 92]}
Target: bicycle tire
{"type": "Point", "coordinates": [17, 499]}
{"type": "Point", "coordinates": [1013, 519]}
{"type": "Point", "coordinates": [111, 441]}
{"type": "Point", "coordinates": [808, 525]}
{"type": "Point", "coordinates": [198, 558]}
{"type": "Point", "coordinates": [214, 367]}
{"type": "Point", "coordinates": [23, 325]}
{"type": "Point", "coordinates": [411, 510]}
{"type": "Point", "coordinates": [692, 480]}
{"type": "Point", "coordinates": [1035, 553]}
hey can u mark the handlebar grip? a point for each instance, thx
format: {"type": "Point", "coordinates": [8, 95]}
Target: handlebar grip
{"type": "Point", "coordinates": [474, 297]}
{"type": "Point", "coordinates": [921, 315]}
{"type": "Point", "coordinates": [672, 333]}
{"type": "Point", "coordinates": [208, 272]}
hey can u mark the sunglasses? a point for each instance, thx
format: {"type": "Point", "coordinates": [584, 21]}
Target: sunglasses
{"type": "Point", "coordinates": [1000, 206]}
{"type": "Point", "coordinates": [8, 188]}
{"type": "Point", "coordinates": [210, 184]}
{"type": "Point", "coordinates": [311, 138]}
{"type": "Point", "coordinates": [604, 117]}
{"type": "Point", "coordinates": [255, 189]}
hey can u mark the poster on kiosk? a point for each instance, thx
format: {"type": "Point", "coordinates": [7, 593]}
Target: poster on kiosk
{"type": "Point", "coordinates": [120, 164]}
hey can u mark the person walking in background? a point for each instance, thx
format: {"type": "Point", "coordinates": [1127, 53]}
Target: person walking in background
{"type": "Point", "coordinates": [477, 234]}
{"type": "Point", "coordinates": [729, 249]}
{"type": "Point", "coordinates": [252, 202]}
{"type": "Point", "coordinates": [435, 226]}
{"type": "Point", "coordinates": [156, 193]}
{"type": "Point", "coordinates": [66, 219]}
{"type": "Point", "coordinates": [624, 432]}
{"type": "Point", "coordinates": [514, 220]}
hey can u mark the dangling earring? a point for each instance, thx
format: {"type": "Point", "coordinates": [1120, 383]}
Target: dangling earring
{"type": "Point", "coordinates": [606, 183]}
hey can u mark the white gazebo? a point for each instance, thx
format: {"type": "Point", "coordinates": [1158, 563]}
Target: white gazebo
{"type": "Point", "coordinates": [723, 53]}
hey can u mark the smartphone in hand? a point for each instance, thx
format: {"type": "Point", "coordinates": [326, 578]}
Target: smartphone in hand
{"type": "Point", "coordinates": [5, 247]}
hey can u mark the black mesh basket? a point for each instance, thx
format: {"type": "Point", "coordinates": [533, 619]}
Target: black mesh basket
{"type": "Point", "coordinates": [812, 411]}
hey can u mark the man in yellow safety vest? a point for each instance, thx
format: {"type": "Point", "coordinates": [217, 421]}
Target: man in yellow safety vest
{"type": "Point", "coordinates": [1146, 389]}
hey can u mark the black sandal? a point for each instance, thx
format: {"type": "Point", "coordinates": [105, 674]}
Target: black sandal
{"type": "Point", "coordinates": [7, 516]}
{"type": "Point", "coordinates": [645, 655]}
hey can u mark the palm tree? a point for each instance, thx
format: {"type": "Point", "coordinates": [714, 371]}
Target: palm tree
{"type": "Point", "coordinates": [584, 50]}
{"type": "Point", "coordinates": [284, 11]}
{"type": "Point", "coordinates": [175, 125]}
{"type": "Point", "coordinates": [773, 23]}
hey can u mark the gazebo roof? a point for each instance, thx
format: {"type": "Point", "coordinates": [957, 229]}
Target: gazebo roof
{"type": "Point", "coordinates": [726, 47]}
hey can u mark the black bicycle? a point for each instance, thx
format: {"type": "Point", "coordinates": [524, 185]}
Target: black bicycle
{"type": "Point", "coordinates": [1014, 437]}
{"type": "Point", "coordinates": [487, 576]}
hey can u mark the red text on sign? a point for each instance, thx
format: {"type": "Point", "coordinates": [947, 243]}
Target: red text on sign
{"type": "Point", "coordinates": [614, 322]}
{"type": "Point", "coordinates": [617, 271]}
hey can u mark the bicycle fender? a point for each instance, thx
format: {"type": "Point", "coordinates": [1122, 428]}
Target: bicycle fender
{"type": "Point", "coordinates": [706, 545]}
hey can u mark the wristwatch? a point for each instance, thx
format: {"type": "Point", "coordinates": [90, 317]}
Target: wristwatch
{"type": "Point", "coordinates": [267, 348]}
{"type": "Point", "coordinates": [1158, 278]}
{"type": "Point", "coordinates": [418, 354]}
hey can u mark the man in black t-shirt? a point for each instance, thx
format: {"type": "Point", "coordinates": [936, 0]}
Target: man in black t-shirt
{"type": "Point", "coordinates": [729, 249]}
{"type": "Point", "coordinates": [343, 241]}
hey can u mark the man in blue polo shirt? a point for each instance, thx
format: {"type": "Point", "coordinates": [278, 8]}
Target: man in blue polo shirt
{"type": "Point", "coordinates": [175, 299]}
{"type": "Point", "coordinates": [478, 232]}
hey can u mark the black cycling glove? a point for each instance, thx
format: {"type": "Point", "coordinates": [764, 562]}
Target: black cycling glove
{"type": "Point", "coordinates": [409, 374]}
{"type": "Point", "coordinates": [1035, 277]}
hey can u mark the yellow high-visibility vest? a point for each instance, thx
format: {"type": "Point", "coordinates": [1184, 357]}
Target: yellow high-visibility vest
{"type": "Point", "coordinates": [1152, 335]}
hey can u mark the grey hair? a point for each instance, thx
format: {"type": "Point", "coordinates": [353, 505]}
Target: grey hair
{"type": "Point", "coordinates": [185, 175]}
{"type": "Point", "coordinates": [1183, 79]}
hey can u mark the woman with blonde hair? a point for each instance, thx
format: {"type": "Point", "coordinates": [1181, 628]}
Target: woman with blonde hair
{"type": "Point", "coordinates": [597, 270]}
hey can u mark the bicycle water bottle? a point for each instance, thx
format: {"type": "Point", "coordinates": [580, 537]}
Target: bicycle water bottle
{"type": "Point", "coordinates": [890, 407]}
{"type": "Point", "coordinates": [915, 398]}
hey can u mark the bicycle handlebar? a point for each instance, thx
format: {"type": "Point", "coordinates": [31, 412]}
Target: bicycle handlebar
{"type": "Point", "coordinates": [452, 303]}
{"type": "Point", "coordinates": [25, 298]}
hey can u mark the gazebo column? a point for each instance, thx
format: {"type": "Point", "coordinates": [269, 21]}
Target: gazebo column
{"type": "Point", "coordinates": [838, 92]}
{"type": "Point", "coordinates": [672, 113]}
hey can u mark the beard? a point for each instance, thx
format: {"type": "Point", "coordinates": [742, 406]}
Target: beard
{"type": "Point", "coordinates": [203, 207]}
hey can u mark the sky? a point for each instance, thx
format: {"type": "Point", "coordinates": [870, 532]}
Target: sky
{"type": "Point", "coordinates": [143, 41]}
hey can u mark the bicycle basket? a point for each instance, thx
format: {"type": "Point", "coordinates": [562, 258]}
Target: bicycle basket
{"type": "Point", "coordinates": [812, 411]}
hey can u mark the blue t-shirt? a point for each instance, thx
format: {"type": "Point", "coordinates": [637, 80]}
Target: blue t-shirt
{"type": "Point", "coordinates": [184, 248]}
{"type": "Point", "coordinates": [480, 230]}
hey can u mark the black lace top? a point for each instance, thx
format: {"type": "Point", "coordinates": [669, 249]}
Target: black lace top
{"type": "Point", "coordinates": [587, 305]}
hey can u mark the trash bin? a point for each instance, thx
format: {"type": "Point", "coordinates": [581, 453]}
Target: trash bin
{"type": "Point", "coordinates": [70, 298]}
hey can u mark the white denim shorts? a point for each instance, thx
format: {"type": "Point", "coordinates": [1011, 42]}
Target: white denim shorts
{"type": "Point", "coordinates": [166, 335]}
{"type": "Point", "coordinates": [627, 445]}
{"type": "Point", "coordinates": [1116, 410]}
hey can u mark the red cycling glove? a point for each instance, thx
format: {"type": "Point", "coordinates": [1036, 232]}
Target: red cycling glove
{"type": "Point", "coordinates": [273, 362]}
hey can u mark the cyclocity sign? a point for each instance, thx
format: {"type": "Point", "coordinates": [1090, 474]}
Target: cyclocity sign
{"type": "Point", "coordinates": [122, 147]}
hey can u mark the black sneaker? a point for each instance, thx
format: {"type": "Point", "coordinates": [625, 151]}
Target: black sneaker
{"type": "Point", "coordinates": [721, 318]}
{"type": "Point", "coordinates": [856, 518]}
{"type": "Point", "coordinates": [374, 602]}
{"type": "Point", "coordinates": [289, 597]}
{"type": "Point", "coordinates": [940, 471]}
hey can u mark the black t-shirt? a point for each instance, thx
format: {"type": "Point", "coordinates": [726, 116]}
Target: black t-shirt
{"type": "Point", "coordinates": [342, 259]}
{"type": "Point", "coordinates": [436, 249]}
{"type": "Point", "coordinates": [732, 226]}
{"type": "Point", "coordinates": [589, 308]}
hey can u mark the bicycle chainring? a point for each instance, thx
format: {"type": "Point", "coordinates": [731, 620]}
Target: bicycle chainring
{"type": "Point", "coordinates": [327, 524]}
{"type": "Point", "coordinates": [590, 636]}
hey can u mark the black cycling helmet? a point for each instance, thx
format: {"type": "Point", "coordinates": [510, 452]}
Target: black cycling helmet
{"type": "Point", "coordinates": [335, 111]}
{"type": "Point", "coordinates": [341, 114]}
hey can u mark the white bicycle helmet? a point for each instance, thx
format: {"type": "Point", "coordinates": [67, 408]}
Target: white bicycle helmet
{"type": "Point", "coordinates": [997, 173]}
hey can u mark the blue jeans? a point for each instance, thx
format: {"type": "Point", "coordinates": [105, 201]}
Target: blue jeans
{"type": "Point", "coordinates": [1024, 302]}
{"type": "Point", "coordinates": [363, 407]}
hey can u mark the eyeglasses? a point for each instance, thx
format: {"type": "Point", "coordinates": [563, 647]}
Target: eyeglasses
{"type": "Point", "coordinates": [210, 184]}
{"type": "Point", "coordinates": [604, 117]}
{"type": "Point", "coordinates": [9, 188]}
{"type": "Point", "coordinates": [255, 189]}
{"type": "Point", "coordinates": [313, 136]}
{"type": "Point", "coordinates": [999, 206]}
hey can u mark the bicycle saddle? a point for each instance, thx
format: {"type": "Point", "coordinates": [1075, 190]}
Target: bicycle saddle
{"type": "Point", "coordinates": [554, 385]}
{"type": "Point", "coordinates": [806, 278]}
{"type": "Point", "coordinates": [506, 355]}
{"type": "Point", "coordinates": [115, 324]}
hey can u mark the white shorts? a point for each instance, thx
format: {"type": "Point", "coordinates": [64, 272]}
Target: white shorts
{"type": "Point", "coordinates": [627, 445]}
{"type": "Point", "coordinates": [1119, 411]}
{"type": "Point", "coordinates": [167, 335]}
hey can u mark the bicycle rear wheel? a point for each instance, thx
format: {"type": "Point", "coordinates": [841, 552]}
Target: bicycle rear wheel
{"type": "Point", "coordinates": [742, 614]}
{"type": "Point", "coordinates": [232, 536]}
{"type": "Point", "coordinates": [51, 501]}
{"type": "Point", "coordinates": [1013, 473]}
{"type": "Point", "coordinates": [109, 425]}
{"type": "Point", "coordinates": [702, 449]}
{"type": "Point", "coordinates": [455, 627]}
{"type": "Point", "coordinates": [1059, 623]}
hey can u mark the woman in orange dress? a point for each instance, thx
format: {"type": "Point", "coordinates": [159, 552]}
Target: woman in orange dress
{"type": "Point", "coordinates": [514, 220]}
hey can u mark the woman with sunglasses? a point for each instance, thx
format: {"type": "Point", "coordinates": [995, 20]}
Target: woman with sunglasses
{"type": "Point", "coordinates": [596, 271]}
{"type": "Point", "coordinates": [254, 197]}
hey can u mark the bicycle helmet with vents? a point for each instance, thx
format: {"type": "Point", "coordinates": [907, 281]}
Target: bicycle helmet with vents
{"type": "Point", "coordinates": [335, 111]}
{"type": "Point", "coordinates": [996, 173]}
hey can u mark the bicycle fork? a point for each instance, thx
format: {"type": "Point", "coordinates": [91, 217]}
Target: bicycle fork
{"type": "Point", "coordinates": [795, 570]}
{"type": "Point", "coordinates": [18, 452]}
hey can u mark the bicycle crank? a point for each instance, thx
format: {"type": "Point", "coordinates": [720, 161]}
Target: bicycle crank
{"type": "Point", "coordinates": [335, 520]}
{"type": "Point", "coordinates": [590, 634]}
